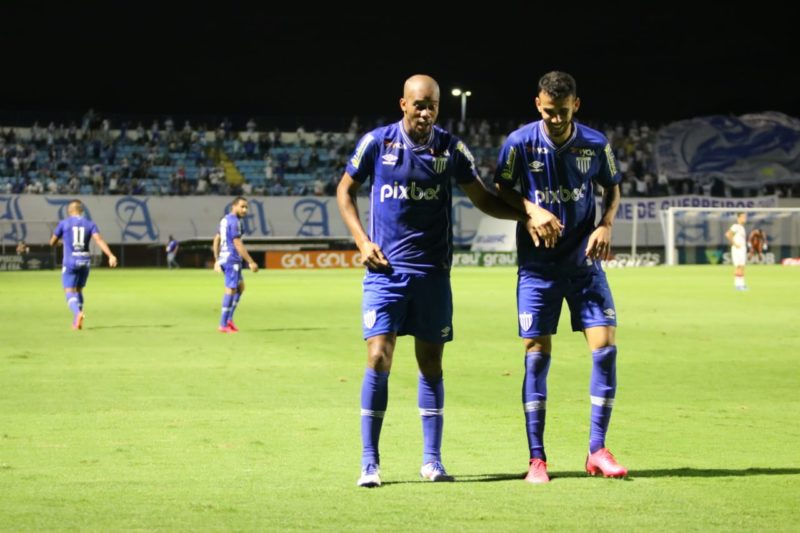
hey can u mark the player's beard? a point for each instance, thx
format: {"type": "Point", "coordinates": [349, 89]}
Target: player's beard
{"type": "Point", "coordinates": [421, 130]}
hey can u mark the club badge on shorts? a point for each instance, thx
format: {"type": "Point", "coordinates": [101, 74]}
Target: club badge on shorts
{"type": "Point", "coordinates": [525, 321]}
{"type": "Point", "coordinates": [369, 318]}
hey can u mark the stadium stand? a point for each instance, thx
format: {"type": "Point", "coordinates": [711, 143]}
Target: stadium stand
{"type": "Point", "coordinates": [162, 160]}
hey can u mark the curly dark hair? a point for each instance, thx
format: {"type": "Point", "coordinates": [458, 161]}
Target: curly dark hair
{"type": "Point", "coordinates": [558, 84]}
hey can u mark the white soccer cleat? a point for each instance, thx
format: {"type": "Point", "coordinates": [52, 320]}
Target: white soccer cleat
{"type": "Point", "coordinates": [370, 476]}
{"type": "Point", "coordinates": [434, 471]}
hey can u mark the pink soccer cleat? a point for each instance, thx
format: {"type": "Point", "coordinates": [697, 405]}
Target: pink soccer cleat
{"type": "Point", "coordinates": [226, 329]}
{"type": "Point", "coordinates": [232, 327]}
{"type": "Point", "coordinates": [78, 322]}
{"type": "Point", "coordinates": [602, 462]}
{"type": "Point", "coordinates": [537, 472]}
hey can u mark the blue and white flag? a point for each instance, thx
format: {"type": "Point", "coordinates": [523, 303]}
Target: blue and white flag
{"type": "Point", "coordinates": [744, 152]}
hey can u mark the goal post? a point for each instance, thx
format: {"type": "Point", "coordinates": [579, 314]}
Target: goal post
{"type": "Point", "coordinates": [697, 234]}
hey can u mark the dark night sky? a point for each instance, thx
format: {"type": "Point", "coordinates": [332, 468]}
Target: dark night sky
{"type": "Point", "coordinates": [135, 58]}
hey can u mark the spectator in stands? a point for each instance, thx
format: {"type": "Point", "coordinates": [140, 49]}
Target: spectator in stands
{"type": "Point", "coordinates": [23, 248]}
{"type": "Point", "coordinates": [319, 187]}
{"type": "Point", "coordinates": [330, 186]}
{"type": "Point", "coordinates": [408, 254]}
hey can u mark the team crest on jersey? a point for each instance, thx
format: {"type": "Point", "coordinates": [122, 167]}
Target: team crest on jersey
{"type": "Point", "coordinates": [369, 318]}
{"type": "Point", "coordinates": [583, 163]}
{"type": "Point", "coordinates": [439, 164]}
{"type": "Point", "coordinates": [525, 321]}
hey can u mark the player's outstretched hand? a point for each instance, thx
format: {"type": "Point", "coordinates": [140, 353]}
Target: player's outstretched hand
{"type": "Point", "coordinates": [253, 266]}
{"type": "Point", "coordinates": [217, 267]}
{"type": "Point", "coordinates": [112, 261]}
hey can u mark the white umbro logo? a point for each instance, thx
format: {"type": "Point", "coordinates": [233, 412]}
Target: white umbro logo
{"type": "Point", "coordinates": [446, 331]}
{"type": "Point", "coordinates": [536, 166]}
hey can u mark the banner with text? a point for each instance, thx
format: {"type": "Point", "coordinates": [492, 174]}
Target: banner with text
{"type": "Point", "coordinates": [313, 259]}
{"type": "Point", "coordinates": [151, 219]}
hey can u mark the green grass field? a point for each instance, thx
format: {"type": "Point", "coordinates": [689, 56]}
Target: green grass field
{"type": "Point", "coordinates": [150, 420]}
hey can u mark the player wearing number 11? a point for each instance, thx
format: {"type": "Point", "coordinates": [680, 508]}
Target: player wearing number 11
{"type": "Point", "coordinates": [76, 232]}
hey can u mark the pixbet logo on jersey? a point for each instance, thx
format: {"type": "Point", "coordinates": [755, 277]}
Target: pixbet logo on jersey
{"type": "Point", "coordinates": [550, 196]}
{"type": "Point", "coordinates": [410, 192]}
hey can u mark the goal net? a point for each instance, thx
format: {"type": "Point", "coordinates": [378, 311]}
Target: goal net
{"type": "Point", "coordinates": [696, 235]}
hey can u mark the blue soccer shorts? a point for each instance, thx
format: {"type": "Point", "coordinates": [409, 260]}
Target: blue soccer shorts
{"type": "Point", "coordinates": [233, 275]}
{"type": "Point", "coordinates": [74, 277]}
{"type": "Point", "coordinates": [420, 305]}
{"type": "Point", "coordinates": [539, 299]}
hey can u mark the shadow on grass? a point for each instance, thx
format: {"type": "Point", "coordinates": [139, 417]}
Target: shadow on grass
{"type": "Point", "coordinates": [267, 330]}
{"type": "Point", "coordinates": [165, 326]}
{"type": "Point", "coordinates": [655, 473]}
{"type": "Point", "coordinates": [137, 326]}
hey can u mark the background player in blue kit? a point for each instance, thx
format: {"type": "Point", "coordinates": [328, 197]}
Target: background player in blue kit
{"type": "Point", "coordinates": [172, 252]}
{"type": "Point", "coordinates": [76, 232]}
{"type": "Point", "coordinates": [412, 165]}
{"type": "Point", "coordinates": [556, 162]}
{"type": "Point", "coordinates": [228, 254]}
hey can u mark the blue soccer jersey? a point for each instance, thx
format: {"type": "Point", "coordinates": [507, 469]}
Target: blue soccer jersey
{"type": "Point", "coordinates": [559, 179]}
{"type": "Point", "coordinates": [76, 233]}
{"type": "Point", "coordinates": [230, 227]}
{"type": "Point", "coordinates": [411, 194]}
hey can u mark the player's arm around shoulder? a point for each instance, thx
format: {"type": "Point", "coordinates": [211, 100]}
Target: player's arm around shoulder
{"type": "Point", "coordinates": [491, 204]}
{"type": "Point", "coordinates": [542, 225]}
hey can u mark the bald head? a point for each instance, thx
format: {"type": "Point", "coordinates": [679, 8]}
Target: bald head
{"type": "Point", "coordinates": [420, 83]}
{"type": "Point", "coordinates": [420, 105]}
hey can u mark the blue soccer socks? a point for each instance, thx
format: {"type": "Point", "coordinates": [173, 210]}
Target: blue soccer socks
{"type": "Point", "coordinates": [534, 400]}
{"type": "Point", "coordinates": [374, 399]}
{"type": "Point", "coordinates": [603, 389]}
{"type": "Point", "coordinates": [236, 297]}
{"type": "Point", "coordinates": [430, 398]}
{"type": "Point", "coordinates": [74, 302]}
{"type": "Point", "coordinates": [227, 305]}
